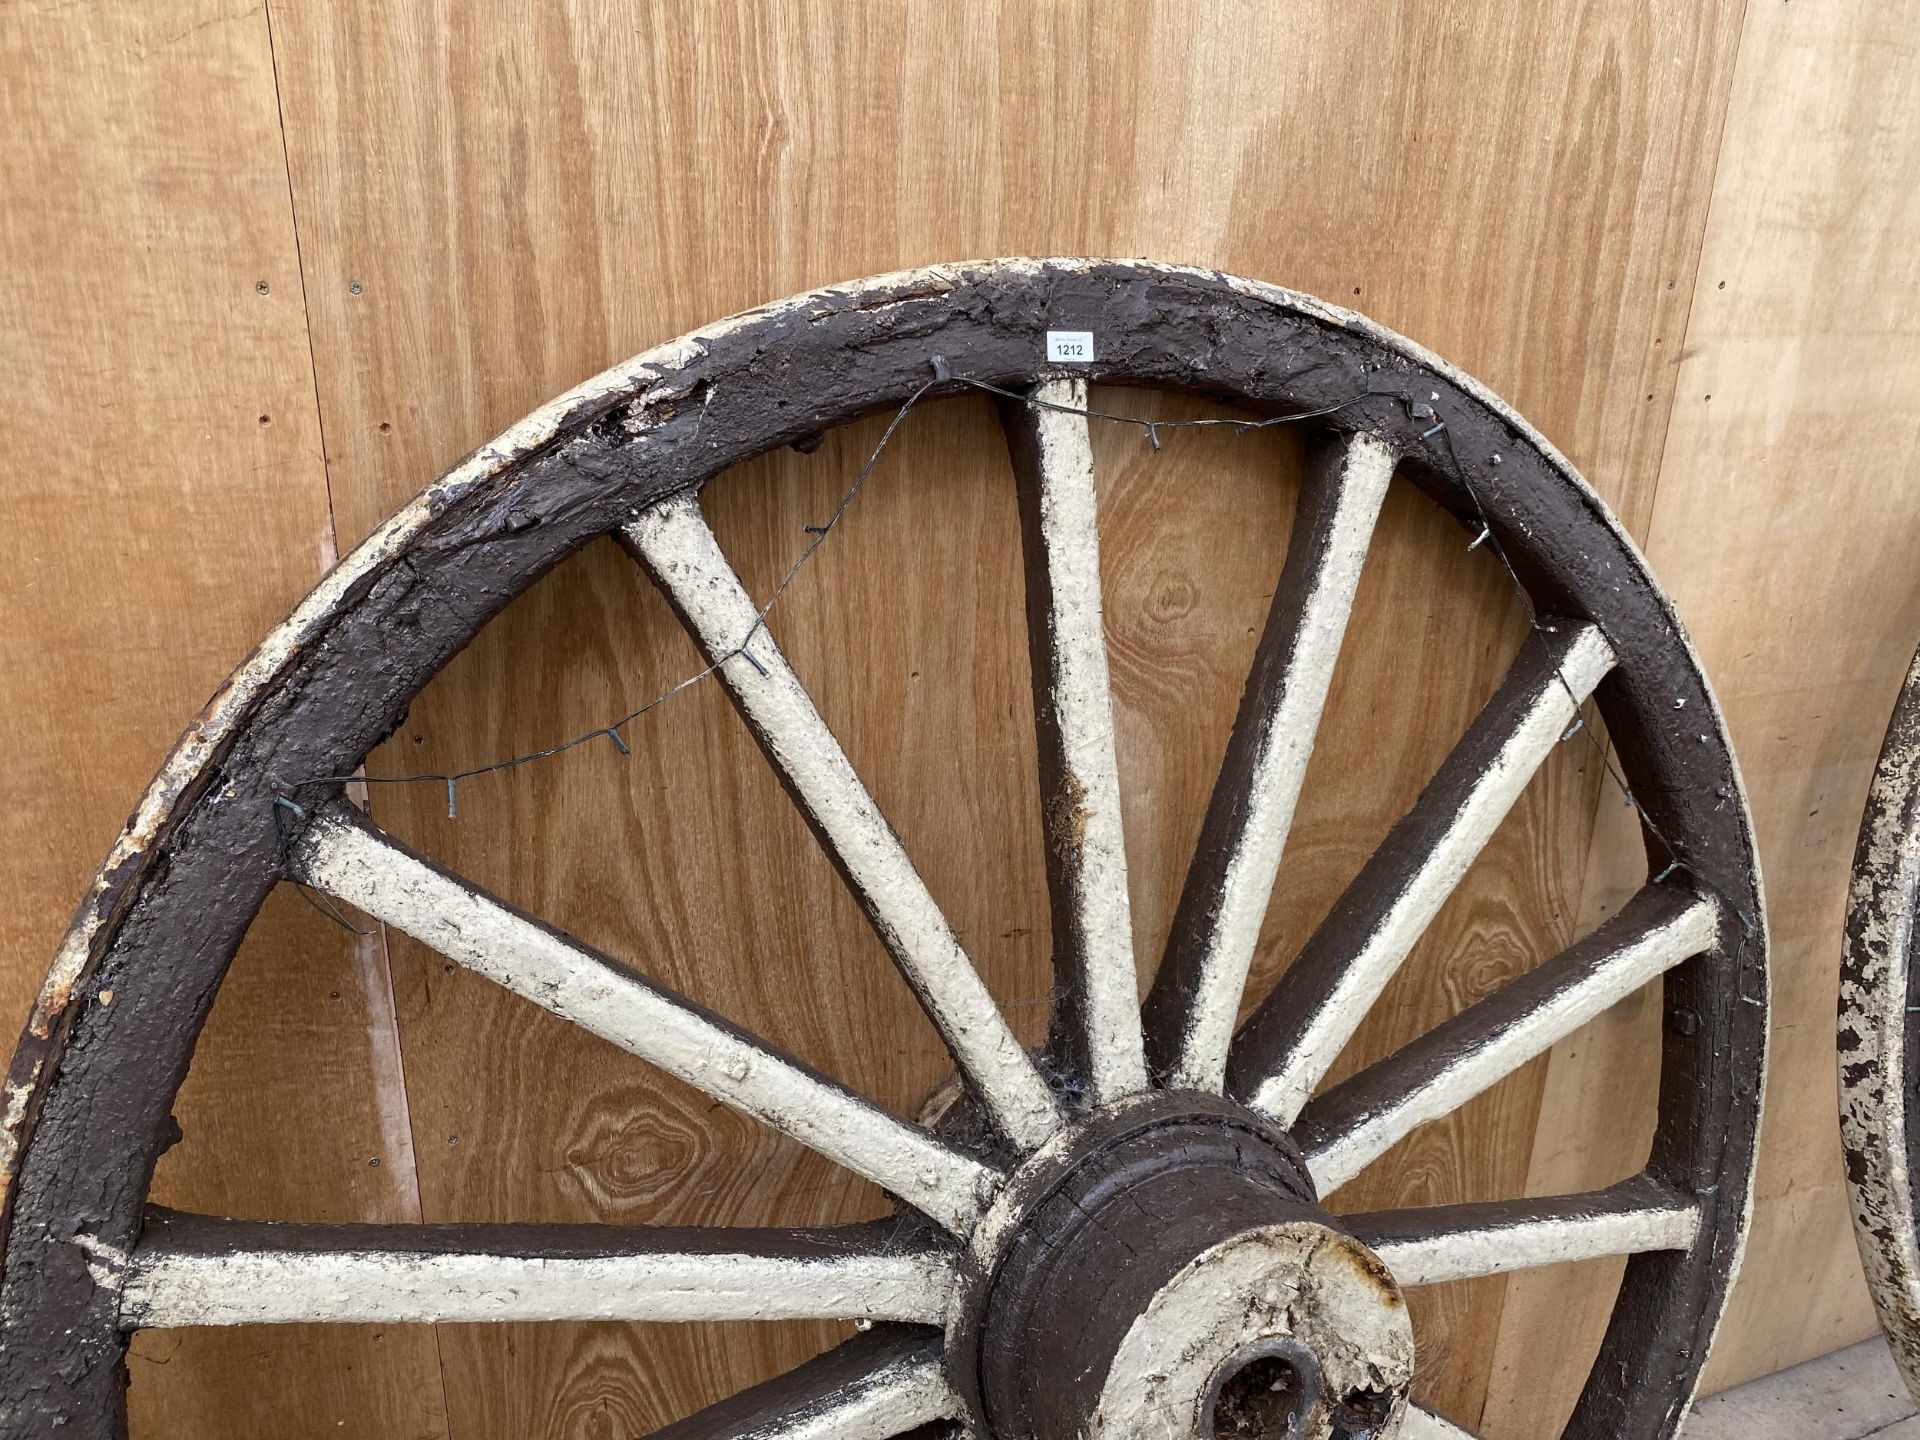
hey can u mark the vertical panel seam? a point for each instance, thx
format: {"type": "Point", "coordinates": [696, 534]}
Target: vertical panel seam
{"type": "Point", "coordinates": [391, 1017]}
{"type": "Point", "coordinates": [300, 267]}
{"type": "Point", "coordinates": [1602, 792]}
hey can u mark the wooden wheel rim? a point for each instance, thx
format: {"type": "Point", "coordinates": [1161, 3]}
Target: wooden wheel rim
{"type": "Point", "coordinates": [1879, 1043]}
{"type": "Point", "coordinates": [91, 1086]}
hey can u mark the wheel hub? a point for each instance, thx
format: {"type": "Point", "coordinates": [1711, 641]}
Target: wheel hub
{"type": "Point", "coordinates": [1172, 1274]}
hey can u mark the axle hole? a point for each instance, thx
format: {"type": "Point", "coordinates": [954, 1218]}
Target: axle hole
{"type": "Point", "coordinates": [1265, 1399]}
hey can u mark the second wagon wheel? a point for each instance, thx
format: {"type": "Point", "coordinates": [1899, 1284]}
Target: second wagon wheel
{"type": "Point", "coordinates": [1126, 1234]}
{"type": "Point", "coordinates": [1879, 1041]}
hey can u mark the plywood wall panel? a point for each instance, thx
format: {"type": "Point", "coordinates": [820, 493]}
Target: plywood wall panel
{"type": "Point", "coordinates": [1788, 524]}
{"type": "Point", "coordinates": [295, 1109]}
{"type": "Point", "coordinates": [1786, 531]}
{"type": "Point", "coordinates": [165, 501]}
{"type": "Point", "coordinates": [494, 201]}
{"type": "Point", "coordinates": [688, 858]}
{"type": "Point", "coordinates": [521, 198]}
{"type": "Point", "coordinates": [159, 409]}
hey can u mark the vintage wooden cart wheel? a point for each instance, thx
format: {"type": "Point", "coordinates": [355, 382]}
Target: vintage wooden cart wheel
{"type": "Point", "coordinates": [1878, 1038]}
{"type": "Point", "coordinates": [1121, 1237]}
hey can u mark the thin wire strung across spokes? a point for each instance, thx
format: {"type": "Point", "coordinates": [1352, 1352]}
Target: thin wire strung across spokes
{"type": "Point", "coordinates": [900, 1276]}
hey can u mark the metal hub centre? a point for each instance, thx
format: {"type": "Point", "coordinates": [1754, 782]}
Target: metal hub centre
{"type": "Point", "coordinates": [1173, 1275]}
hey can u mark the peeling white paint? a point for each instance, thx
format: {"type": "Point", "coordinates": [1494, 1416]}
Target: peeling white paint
{"type": "Point", "coordinates": [1500, 1248]}
{"type": "Point", "coordinates": [106, 1263]}
{"type": "Point", "coordinates": [1423, 1424]}
{"type": "Point", "coordinates": [1084, 822]}
{"type": "Point", "coordinates": [19, 1097]}
{"type": "Point", "coordinates": [267, 1287]}
{"type": "Point", "coordinates": [685, 560]}
{"type": "Point", "coordinates": [1285, 746]}
{"type": "Point", "coordinates": [1297, 1281]}
{"type": "Point", "coordinates": [894, 1400]}
{"type": "Point", "coordinates": [1585, 661]}
{"type": "Point", "coordinates": [1875, 986]}
{"type": "Point", "coordinates": [366, 870]}
{"type": "Point", "coordinates": [1640, 959]}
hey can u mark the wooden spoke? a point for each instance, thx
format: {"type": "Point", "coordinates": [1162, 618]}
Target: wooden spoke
{"type": "Point", "coordinates": [1285, 1049]}
{"type": "Point", "coordinates": [876, 1386]}
{"type": "Point", "coordinates": [1438, 1243]}
{"type": "Point", "coordinates": [1099, 1015]}
{"type": "Point", "coordinates": [345, 856]}
{"type": "Point", "coordinates": [673, 543]}
{"type": "Point", "coordinates": [1423, 1424]}
{"type": "Point", "coordinates": [196, 1270]}
{"type": "Point", "coordinates": [1128, 1148]}
{"type": "Point", "coordinates": [1352, 1125]}
{"type": "Point", "coordinates": [1196, 994]}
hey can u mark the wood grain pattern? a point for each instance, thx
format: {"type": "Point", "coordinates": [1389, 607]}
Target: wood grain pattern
{"type": "Point", "coordinates": [1794, 546]}
{"type": "Point", "coordinates": [1597, 1107]}
{"type": "Point", "coordinates": [494, 201]}
{"type": "Point", "coordinates": [1431, 621]}
{"type": "Point", "coordinates": [159, 418]}
{"type": "Point", "coordinates": [1785, 532]}
{"type": "Point", "coordinates": [165, 503]}
{"type": "Point", "coordinates": [295, 1109]}
{"type": "Point", "coordinates": [703, 871]}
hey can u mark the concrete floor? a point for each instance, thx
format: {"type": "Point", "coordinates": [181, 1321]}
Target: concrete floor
{"type": "Point", "coordinates": [1849, 1395]}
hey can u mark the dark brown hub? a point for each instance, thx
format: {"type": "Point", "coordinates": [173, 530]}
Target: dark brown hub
{"type": "Point", "coordinates": [1134, 1206]}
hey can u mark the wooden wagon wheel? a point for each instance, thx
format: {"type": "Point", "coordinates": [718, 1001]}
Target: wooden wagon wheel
{"type": "Point", "coordinates": [1239, 1306]}
{"type": "Point", "coordinates": [1879, 1043]}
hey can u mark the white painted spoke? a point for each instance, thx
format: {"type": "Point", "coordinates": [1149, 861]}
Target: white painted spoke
{"type": "Point", "coordinates": [1284, 1051]}
{"type": "Point", "coordinates": [344, 856]}
{"type": "Point", "coordinates": [1423, 1424]}
{"type": "Point", "coordinates": [194, 1270]}
{"type": "Point", "coordinates": [1197, 993]}
{"type": "Point", "coordinates": [874, 1387]}
{"type": "Point", "coordinates": [674, 544]}
{"type": "Point", "coordinates": [1352, 1125]}
{"type": "Point", "coordinates": [1463, 1242]}
{"type": "Point", "coordinates": [1080, 781]}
